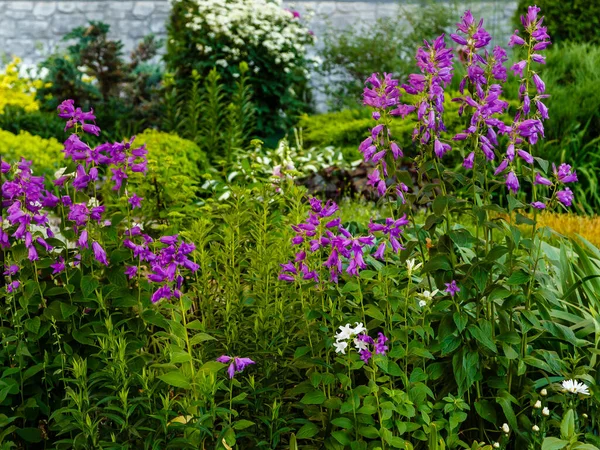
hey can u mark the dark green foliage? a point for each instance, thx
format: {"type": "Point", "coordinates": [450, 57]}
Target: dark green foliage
{"type": "Point", "coordinates": [125, 95]}
{"type": "Point", "coordinates": [352, 54]}
{"type": "Point", "coordinates": [220, 123]}
{"type": "Point", "coordinates": [575, 20]}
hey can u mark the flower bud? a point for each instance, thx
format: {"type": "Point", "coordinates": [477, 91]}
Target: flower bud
{"type": "Point", "coordinates": [538, 404]}
{"type": "Point", "coordinates": [535, 428]}
{"type": "Point", "coordinates": [546, 411]}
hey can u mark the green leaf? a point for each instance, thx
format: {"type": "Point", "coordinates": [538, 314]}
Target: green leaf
{"type": "Point", "coordinates": [155, 318]}
{"type": "Point", "coordinates": [67, 310]}
{"type": "Point", "coordinates": [307, 431]}
{"type": "Point", "coordinates": [33, 435]}
{"type": "Point", "coordinates": [482, 337]}
{"type": "Point", "coordinates": [438, 262]}
{"type": "Point", "coordinates": [374, 312]}
{"type": "Point", "coordinates": [88, 285]}
{"type": "Point", "coordinates": [342, 437]}
{"type": "Point", "coordinates": [567, 426]}
{"type": "Point", "coordinates": [242, 424]}
{"type": "Point", "coordinates": [369, 432]}
{"type": "Point", "coordinates": [201, 337]}
{"type": "Point", "coordinates": [176, 379]}
{"type": "Point", "coordinates": [314, 397]}
{"type": "Point", "coordinates": [439, 205]}
{"type": "Point", "coordinates": [342, 422]}
{"type": "Point", "coordinates": [517, 278]}
{"type": "Point", "coordinates": [460, 320]}
{"type": "Point", "coordinates": [33, 324]}
{"type": "Point", "coordinates": [552, 443]}
{"type": "Point", "coordinates": [486, 410]}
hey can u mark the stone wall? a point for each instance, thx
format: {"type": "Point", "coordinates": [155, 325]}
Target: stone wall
{"type": "Point", "coordinates": [32, 29]}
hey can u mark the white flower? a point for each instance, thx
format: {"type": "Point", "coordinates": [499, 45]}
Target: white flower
{"type": "Point", "coordinates": [428, 296]}
{"type": "Point", "coordinates": [346, 332]}
{"type": "Point", "coordinates": [505, 428]}
{"type": "Point", "coordinates": [340, 347]}
{"type": "Point", "coordinates": [538, 404]}
{"type": "Point", "coordinates": [543, 392]}
{"type": "Point", "coordinates": [546, 411]}
{"type": "Point", "coordinates": [360, 344]}
{"type": "Point", "coordinates": [359, 328]}
{"type": "Point", "coordinates": [60, 172]}
{"type": "Point", "coordinates": [535, 428]}
{"type": "Point", "coordinates": [496, 445]}
{"type": "Point", "coordinates": [584, 415]}
{"type": "Point", "coordinates": [422, 303]}
{"type": "Point", "coordinates": [574, 387]}
{"type": "Point", "coordinates": [411, 266]}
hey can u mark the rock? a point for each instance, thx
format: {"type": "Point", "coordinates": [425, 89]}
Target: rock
{"type": "Point", "coordinates": [44, 9]}
{"type": "Point", "coordinates": [143, 9]}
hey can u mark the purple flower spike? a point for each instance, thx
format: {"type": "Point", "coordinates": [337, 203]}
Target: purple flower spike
{"type": "Point", "coordinates": [58, 266]}
{"type": "Point", "coordinates": [131, 271]}
{"type": "Point", "coordinates": [380, 347]}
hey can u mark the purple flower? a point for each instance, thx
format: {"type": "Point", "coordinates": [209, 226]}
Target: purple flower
{"type": "Point", "coordinates": [99, 253]}
{"type": "Point", "coordinates": [502, 167]}
{"type": "Point", "coordinates": [539, 205]}
{"type": "Point", "coordinates": [518, 68]}
{"type": "Point", "coordinates": [135, 201]}
{"type": "Point", "coordinates": [516, 40]}
{"type": "Point", "coordinates": [564, 173]}
{"type": "Point", "coordinates": [11, 287]}
{"type": "Point", "coordinates": [365, 355]}
{"type": "Point", "coordinates": [565, 197]}
{"type": "Point", "coordinates": [131, 271]}
{"type": "Point", "coordinates": [380, 347]}
{"type": "Point", "coordinates": [540, 180]}
{"type": "Point", "coordinates": [512, 182]}
{"type": "Point", "coordinates": [237, 364]}
{"type": "Point", "coordinates": [11, 270]}
{"type": "Point", "coordinates": [58, 266]}
{"type": "Point", "coordinates": [539, 84]}
{"type": "Point", "coordinates": [4, 167]}
{"type": "Point", "coordinates": [469, 160]}
{"type": "Point", "coordinates": [452, 288]}
{"type": "Point", "coordinates": [526, 156]}
{"type": "Point", "coordinates": [440, 148]}
{"type": "Point", "coordinates": [82, 242]}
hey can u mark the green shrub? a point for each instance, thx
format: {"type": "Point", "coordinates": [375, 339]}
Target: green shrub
{"type": "Point", "coordinates": [576, 21]}
{"type": "Point", "coordinates": [352, 54]}
{"type": "Point", "coordinates": [171, 185]}
{"type": "Point", "coordinates": [273, 41]}
{"type": "Point", "coordinates": [47, 153]}
{"type": "Point", "coordinates": [346, 128]}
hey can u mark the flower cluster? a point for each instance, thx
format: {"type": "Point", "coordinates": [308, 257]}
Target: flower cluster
{"type": "Point", "coordinates": [236, 27]}
{"type": "Point", "coordinates": [563, 174]}
{"type": "Point", "coordinates": [322, 233]}
{"type": "Point", "coordinates": [483, 73]}
{"type": "Point", "coordinates": [392, 229]}
{"type": "Point", "coordinates": [363, 343]}
{"type": "Point", "coordinates": [435, 62]}
{"type": "Point", "coordinates": [527, 127]}
{"type": "Point", "coordinates": [383, 96]}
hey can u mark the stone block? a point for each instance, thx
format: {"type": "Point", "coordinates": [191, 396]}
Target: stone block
{"type": "Point", "coordinates": [21, 6]}
{"type": "Point", "coordinates": [143, 9]}
{"type": "Point", "coordinates": [67, 7]}
{"type": "Point", "coordinates": [44, 9]}
{"type": "Point", "coordinates": [90, 6]}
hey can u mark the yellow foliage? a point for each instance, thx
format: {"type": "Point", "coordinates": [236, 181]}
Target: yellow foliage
{"type": "Point", "coordinates": [46, 154]}
{"type": "Point", "coordinates": [16, 90]}
{"type": "Point", "coordinates": [572, 224]}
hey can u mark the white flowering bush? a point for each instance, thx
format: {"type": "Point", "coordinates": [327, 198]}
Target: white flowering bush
{"type": "Point", "coordinates": [273, 41]}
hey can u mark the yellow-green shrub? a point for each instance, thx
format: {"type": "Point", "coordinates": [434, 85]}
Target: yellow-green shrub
{"type": "Point", "coordinates": [16, 90]}
{"type": "Point", "coordinates": [174, 168]}
{"type": "Point", "coordinates": [46, 154]}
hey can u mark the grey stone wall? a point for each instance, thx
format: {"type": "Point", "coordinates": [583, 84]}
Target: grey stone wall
{"type": "Point", "coordinates": [32, 29]}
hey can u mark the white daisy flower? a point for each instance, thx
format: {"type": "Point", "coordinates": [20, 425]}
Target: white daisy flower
{"type": "Point", "coordinates": [575, 387]}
